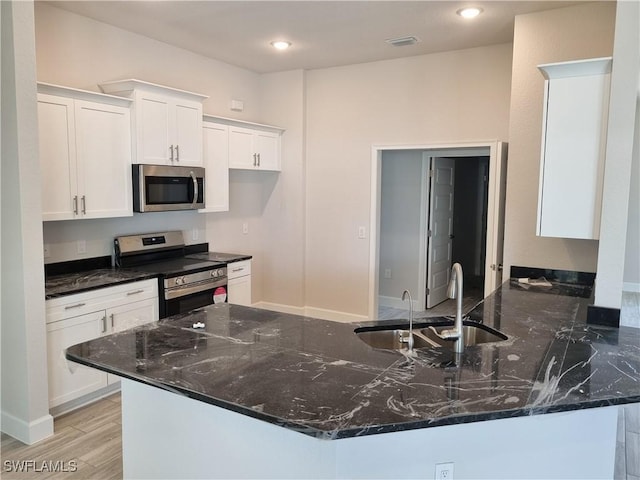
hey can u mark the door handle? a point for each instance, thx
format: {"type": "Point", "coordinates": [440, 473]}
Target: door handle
{"type": "Point", "coordinates": [171, 148]}
{"type": "Point", "coordinates": [258, 159]}
{"type": "Point", "coordinates": [112, 315]}
{"type": "Point", "coordinates": [195, 188]}
{"type": "Point", "coordinates": [84, 205]}
{"type": "Point", "coordinates": [75, 204]}
{"type": "Point", "coordinates": [104, 324]}
{"type": "Point", "coordinates": [177, 153]}
{"type": "Point", "coordinates": [255, 160]}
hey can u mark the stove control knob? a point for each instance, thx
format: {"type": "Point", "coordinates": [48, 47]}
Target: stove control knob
{"type": "Point", "coordinates": [179, 280]}
{"type": "Point", "coordinates": [221, 272]}
{"type": "Point", "coordinates": [214, 273]}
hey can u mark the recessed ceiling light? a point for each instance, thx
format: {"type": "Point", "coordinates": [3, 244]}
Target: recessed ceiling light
{"type": "Point", "coordinates": [470, 12]}
{"type": "Point", "coordinates": [280, 44]}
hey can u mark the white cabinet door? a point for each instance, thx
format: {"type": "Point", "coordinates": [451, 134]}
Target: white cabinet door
{"type": "Point", "coordinates": [253, 149]}
{"type": "Point", "coordinates": [215, 142]}
{"type": "Point", "coordinates": [132, 315]}
{"type": "Point", "coordinates": [239, 283]}
{"type": "Point", "coordinates": [573, 148]}
{"type": "Point", "coordinates": [57, 156]}
{"type": "Point", "coordinates": [239, 290]}
{"type": "Point", "coordinates": [241, 154]}
{"type": "Point", "coordinates": [152, 134]}
{"type": "Point", "coordinates": [187, 137]}
{"type": "Point", "coordinates": [68, 380]}
{"type": "Point", "coordinates": [168, 131]}
{"type": "Point", "coordinates": [103, 136]}
{"type": "Point", "coordinates": [267, 147]}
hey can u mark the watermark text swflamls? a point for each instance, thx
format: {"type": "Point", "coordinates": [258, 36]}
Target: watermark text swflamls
{"type": "Point", "coordinates": [57, 466]}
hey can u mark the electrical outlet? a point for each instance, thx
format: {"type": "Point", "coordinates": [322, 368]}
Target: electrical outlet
{"type": "Point", "coordinates": [245, 228]}
{"type": "Point", "coordinates": [194, 234]}
{"type": "Point", "coordinates": [82, 246]}
{"type": "Point", "coordinates": [47, 250]}
{"type": "Point", "coordinates": [387, 273]}
{"type": "Point", "coordinates": [362, 232]}
{"type": "Point", "coordinates": [444, 471]}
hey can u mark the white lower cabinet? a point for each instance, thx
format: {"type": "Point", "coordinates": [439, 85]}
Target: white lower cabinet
{"type": "Point", "coordinates": [239, 282]}
{"type": "Point", "coordinates": [68, 380]}
{"type": "Point", "coordinates": [82, 317]}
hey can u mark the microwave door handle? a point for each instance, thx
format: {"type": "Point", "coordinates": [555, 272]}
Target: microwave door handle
{"type": "Point", "coordinates": [195, 188]}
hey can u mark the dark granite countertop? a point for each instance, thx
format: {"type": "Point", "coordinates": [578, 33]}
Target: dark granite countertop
{"type": "Point", "coordinates": [220, 257]}
{"type": "Point", "coordinates": [318, 378]}
{"type": "Point", "coordinates": [72, 283]}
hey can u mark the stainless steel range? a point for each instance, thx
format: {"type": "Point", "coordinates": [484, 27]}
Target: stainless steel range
{"type": "Point", "coordinates": [184, 283]}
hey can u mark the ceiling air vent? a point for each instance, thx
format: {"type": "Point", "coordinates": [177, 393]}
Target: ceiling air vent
{"type": "Point", "coordinates": [403, 41]}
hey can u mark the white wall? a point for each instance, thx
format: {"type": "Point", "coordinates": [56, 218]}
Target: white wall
{"type": "Point", "coordinates": [583, 31]}
{"type": "Point", "coordinates": [25, 409]}
{"type": "Point", "coordinates": [401, 188]}
{"type": "Point", "coordinates": [449, 97]}
{"type": "Point", "coordinates": [632, 258]}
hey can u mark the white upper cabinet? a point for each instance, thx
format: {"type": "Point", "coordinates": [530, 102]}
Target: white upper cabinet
{"type": "Point", "coordinates": [573, 148]}
{"type": "Point", "coordinates": [167, 122]}
{"type": "Point", "coordinates": [85, 154]}
{"type": "Point", "coordinates": [215, 142]}
{"type": "Point", "coordinates": [253, 148]}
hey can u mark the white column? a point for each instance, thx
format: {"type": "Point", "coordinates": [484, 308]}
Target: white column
{"type": "Point", "coordinates": [620, 136]}
{"type": "Point", "coordinates": [24, 390]}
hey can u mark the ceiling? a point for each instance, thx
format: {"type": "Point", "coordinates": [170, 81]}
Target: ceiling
{"type": "Point", "coordinates": [323, 33]}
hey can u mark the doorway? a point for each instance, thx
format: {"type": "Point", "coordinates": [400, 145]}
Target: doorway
{"type": "Point", "coordinates": [433, 206]}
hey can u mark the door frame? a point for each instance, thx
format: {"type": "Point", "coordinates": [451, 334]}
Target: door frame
{"type": "Point", "coordinates": [496, 151]}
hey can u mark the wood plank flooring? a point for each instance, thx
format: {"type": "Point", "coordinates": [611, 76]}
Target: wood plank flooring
{"type": "Point", "coordinates": [89, 438]}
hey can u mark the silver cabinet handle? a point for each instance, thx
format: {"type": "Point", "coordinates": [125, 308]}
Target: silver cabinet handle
{"type": "Point", "coordinates": [195, 188]}
{"type": "Point", "coordinates": [75, 205]}
{"type": "Point", "coordinates": [112, 315]}
{"type": "Point", "coordinates": [104, 324]}
{"type": "Point", "coordinates": [258, 159]}
{"type": "Point", "coordinates": [77, 305]}
{"type": "Point", "coordinates": [84, 205]}
{"type": "Point", "coordinates": [177, 153]}
{"type": "Point", "coordinates": [255, 160]}
{"type": "Point", "coordinates": [171, 148]}
{"type": "Point", "coordinates": [234, 270]}
{"type": "Point", "coordinates": [135, 292]}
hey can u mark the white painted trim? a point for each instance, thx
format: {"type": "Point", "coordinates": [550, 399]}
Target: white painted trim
{"type": "Point", "coordinates": [463, 149]}
{"type": "Point", "coordinates": [279, 307]}
{"type": "Point", "coordinates": [27, 432]}
{"type": "Point", "coordinates": [425, 189]}
{"type": "Point", "coordinates": [313, 312]}
{"type": "Point", "coordinates": [631, 287]}
{"type": "Point", "coordinates": [396, 302]}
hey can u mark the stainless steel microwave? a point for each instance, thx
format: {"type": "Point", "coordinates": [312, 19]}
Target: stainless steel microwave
{"type": "Point", "coordinates": [163, 188]}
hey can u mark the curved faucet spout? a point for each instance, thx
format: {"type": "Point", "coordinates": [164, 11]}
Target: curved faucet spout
{"type": "Point", "coordinates": [455, 291]}
{"type": "Point", "coordinates": [407, 294]}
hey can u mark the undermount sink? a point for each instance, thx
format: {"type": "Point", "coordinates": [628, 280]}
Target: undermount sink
{"type": "Point", "coordinates": [395, 337]}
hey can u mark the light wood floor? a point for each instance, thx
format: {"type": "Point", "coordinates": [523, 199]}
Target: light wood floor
{"type": "Point", "coordinates": [90, 437]}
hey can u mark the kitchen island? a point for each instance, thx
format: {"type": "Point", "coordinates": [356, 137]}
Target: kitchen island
{"type": "Point", "coordinates": [257, 393]}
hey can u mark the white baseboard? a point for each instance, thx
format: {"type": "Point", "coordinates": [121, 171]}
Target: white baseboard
{"type": "Point", "coordinates": [279, 307]}
{"type": "Point", "coordinates": [321, 313]}
{"type": "Point", "coordinates": [27, 432]}
{"type": "Point", "coordinates": [631, 287]}
{"type": "Point", "coordinates": [395, 302]}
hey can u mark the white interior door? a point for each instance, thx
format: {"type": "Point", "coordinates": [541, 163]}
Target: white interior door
{"type": "Point", "coordinates": [495, 217]}
{"type": "Point", "coordinates": [440, 232]}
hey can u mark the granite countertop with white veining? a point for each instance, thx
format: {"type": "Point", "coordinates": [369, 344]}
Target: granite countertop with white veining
{"type": "Point", "coordinates": [318, 378]}
{"type": "Point", "coordinates": [79, 282]}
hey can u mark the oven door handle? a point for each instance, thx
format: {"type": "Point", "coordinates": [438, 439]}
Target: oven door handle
{"type": "Point", "coordinates": [184, 290]}
{"type": "Point", "coordinates": [195, 189]}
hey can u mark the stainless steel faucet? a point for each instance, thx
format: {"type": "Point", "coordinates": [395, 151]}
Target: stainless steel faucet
{"type": "Point", "coordinates": [455, 291]}
{"type": "Point", "coordinates": [406, 294]}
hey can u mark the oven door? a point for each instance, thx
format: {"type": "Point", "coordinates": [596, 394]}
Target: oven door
{"type": "Point", "coordinates": [185, 298]}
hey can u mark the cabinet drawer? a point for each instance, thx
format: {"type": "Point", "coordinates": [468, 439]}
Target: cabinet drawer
{"type": "Point", "coordinates": [101, 299]}
{"type": "Point", "coordinates": [239, 269]}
